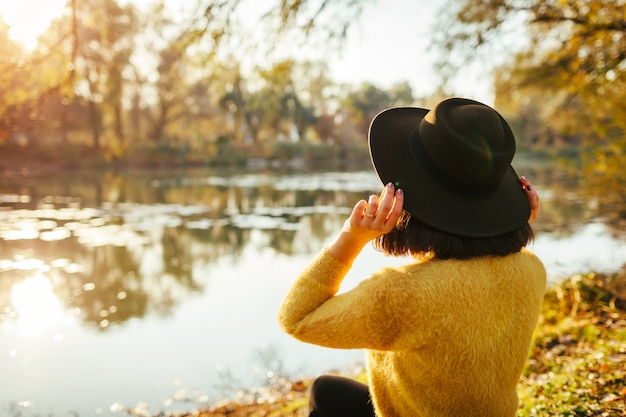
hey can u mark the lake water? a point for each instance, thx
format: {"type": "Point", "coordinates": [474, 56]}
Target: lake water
{"type": "Point", "coordinates": [159, 291]}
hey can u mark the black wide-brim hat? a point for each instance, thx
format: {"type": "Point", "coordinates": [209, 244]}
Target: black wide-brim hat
{"type": "Point", "coordinates": [453, 163]}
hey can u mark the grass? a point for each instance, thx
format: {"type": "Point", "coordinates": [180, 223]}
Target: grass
{"type": "Point", "coordinates": [577, 365]}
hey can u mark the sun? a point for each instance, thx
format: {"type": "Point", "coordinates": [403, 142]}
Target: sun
{"type": "Point", "coordinates": [28, 19]}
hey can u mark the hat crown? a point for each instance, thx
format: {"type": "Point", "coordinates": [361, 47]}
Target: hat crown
{"type": "Point", "coordinates": [466, 141]}
{"type": "Point", "coordinates": [453, 163]}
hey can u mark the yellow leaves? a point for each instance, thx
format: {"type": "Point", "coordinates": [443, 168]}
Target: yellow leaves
{"type": "Point", "coordinates": [576, 366]}
{"type": "Point", "coordinates": [575, 53]}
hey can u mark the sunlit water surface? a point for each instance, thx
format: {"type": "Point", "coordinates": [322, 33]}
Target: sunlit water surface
{"type": "Point", "coordinates": [160, 292]}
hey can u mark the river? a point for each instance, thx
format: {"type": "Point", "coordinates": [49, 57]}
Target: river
{"type": "Point", "coordinates": [158, 291]}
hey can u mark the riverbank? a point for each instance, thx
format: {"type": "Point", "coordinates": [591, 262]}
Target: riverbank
{"type": "Point", "coordinates": [16, 160]}
{"type": "Point", "coordinates": [577, 365]}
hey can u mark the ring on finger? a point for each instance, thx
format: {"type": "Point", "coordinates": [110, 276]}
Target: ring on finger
{"type": "Point", "coordinates": [371, 215]}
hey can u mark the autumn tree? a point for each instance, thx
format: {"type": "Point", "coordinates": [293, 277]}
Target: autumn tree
{"type": "Point", "coordinates": [170, 82]}
{"type": "Point", "coordinates": [565, 83]}
{"type": "Point", "coordinates": [364, 102]}
{"type": "Point", "coordinates": [13, 83]}
{"type": "Point", "coordinates": [105, 44]}
{"type": "Point", "coordinates": [571, 50]}
{"type": "Point", "coordinates": [280, 100]}
{"type": "Point", "coordinates": [240, 125]}
{"type": "Point", "coordinates": [324, 23]}
{"type": "Point", "coordinates": [83, 57]}
{"type": "Point", "coordinates": [275, 103]}
{"type": "Point", "coordinates": [33, 87]}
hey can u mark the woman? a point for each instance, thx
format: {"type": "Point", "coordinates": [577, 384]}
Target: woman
{"type": "Point", "coordinates": [448, 334]}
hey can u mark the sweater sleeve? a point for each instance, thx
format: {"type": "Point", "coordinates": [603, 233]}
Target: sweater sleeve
{"type": "Point", "coordinates": [316, 284]}
{"type": "Point", "coordinates": [313, 313]}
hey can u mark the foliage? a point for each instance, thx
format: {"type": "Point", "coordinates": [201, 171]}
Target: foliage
{"type": "Point", "coordinates": [560, 78]}
{"type": "Point", "coordinates": [188, 80]}
{"type": "Point", "coordinates": [576, 367]}
{"type": "Point", "coordinates": [563, 60]}
{"type": "Point", "coordinates": [366, 101]}
{"type": "Point", "coordinates": [325, 21]}
{"type": "Point", "coordinates": [180, 85]}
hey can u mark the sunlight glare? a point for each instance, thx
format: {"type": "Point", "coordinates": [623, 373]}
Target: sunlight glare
{"type": "Point", "coordinates": [36, 304]}
{"type": "Point", "coordinates": [29, 18]}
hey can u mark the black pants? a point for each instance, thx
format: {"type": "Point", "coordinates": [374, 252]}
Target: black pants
{"type": "Point", "coordinates": [336, 396]}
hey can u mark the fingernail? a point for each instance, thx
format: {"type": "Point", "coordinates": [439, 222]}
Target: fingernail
{"type": "Point", "coordinates": [523, 178]}
{"type": "Point", "coordinates": [390, 184]}
{"type": "Point", "coordinates": [400, 191]}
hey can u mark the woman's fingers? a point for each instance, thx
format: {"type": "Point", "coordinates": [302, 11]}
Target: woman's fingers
{"type": "Point", "coordinates": [533, 198]}
{"type": "Point", "coordinates": [398, 207]}
{"type": "Point", "coordinates": [388, 208]}
{"type": "Point", "coordinates": [386, 202]}
{"type": "Point", "coordinates": [391, 203]}
{"type": "Point", "coordinates": [376, 216]}
{"type": "Point", "coordinates": [372, 207]}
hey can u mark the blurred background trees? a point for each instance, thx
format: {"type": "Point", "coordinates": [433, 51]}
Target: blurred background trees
{"type": "Point", "coordinates": [560, 76]}
{"type": "Point", "coordinates": [560, 66]}
{"type": "Point", "coordinates": [123, 82]}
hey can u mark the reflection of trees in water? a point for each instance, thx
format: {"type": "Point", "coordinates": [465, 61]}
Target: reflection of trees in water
{"type": "Point", "coordinates": [217, 242]}
{"type": "Point", "coordinates": [111, 289]}
{"type": "Point", "coordinates": [606, 196]}
{"type": "Point", "coordinates": [153, 271]}
{"type": "Point", "coordinates": [315, 230]}
{"type": "Point", "coordinates": [571, 198]}
{"type": "Point", "coordinates": [177, 259]}
{"type": "Point", "coordinates": [180, 226]}
{"type": "Point", "coordinates": [604, 200]}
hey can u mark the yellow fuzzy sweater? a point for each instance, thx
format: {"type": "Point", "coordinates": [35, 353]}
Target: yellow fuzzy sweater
{"type": "Point", "coordinates": [444, 338]}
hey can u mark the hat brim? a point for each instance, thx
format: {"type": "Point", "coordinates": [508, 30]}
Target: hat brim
{"type": "Point", "coordinates": [501, 210]}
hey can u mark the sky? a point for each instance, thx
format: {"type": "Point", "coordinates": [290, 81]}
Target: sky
{"type": "Point", "coordinates": [387, 45]}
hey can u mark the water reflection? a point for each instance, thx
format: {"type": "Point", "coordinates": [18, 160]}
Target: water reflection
{"type": "Point", "coordinates": [102, 250]}
{"type": "Point", "coordinates": [118, 247]}
{"type": "Point", "coordinates": [36, 306]}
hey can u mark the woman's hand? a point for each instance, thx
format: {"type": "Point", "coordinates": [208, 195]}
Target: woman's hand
{"type": "Point", "coordinates": [368, 220]}
{"type": "Point", "coordinates": [533, 198]}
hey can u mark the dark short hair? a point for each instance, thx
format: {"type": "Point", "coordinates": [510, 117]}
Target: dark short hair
{"type": "Point", "coordinates": [410, 236]}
